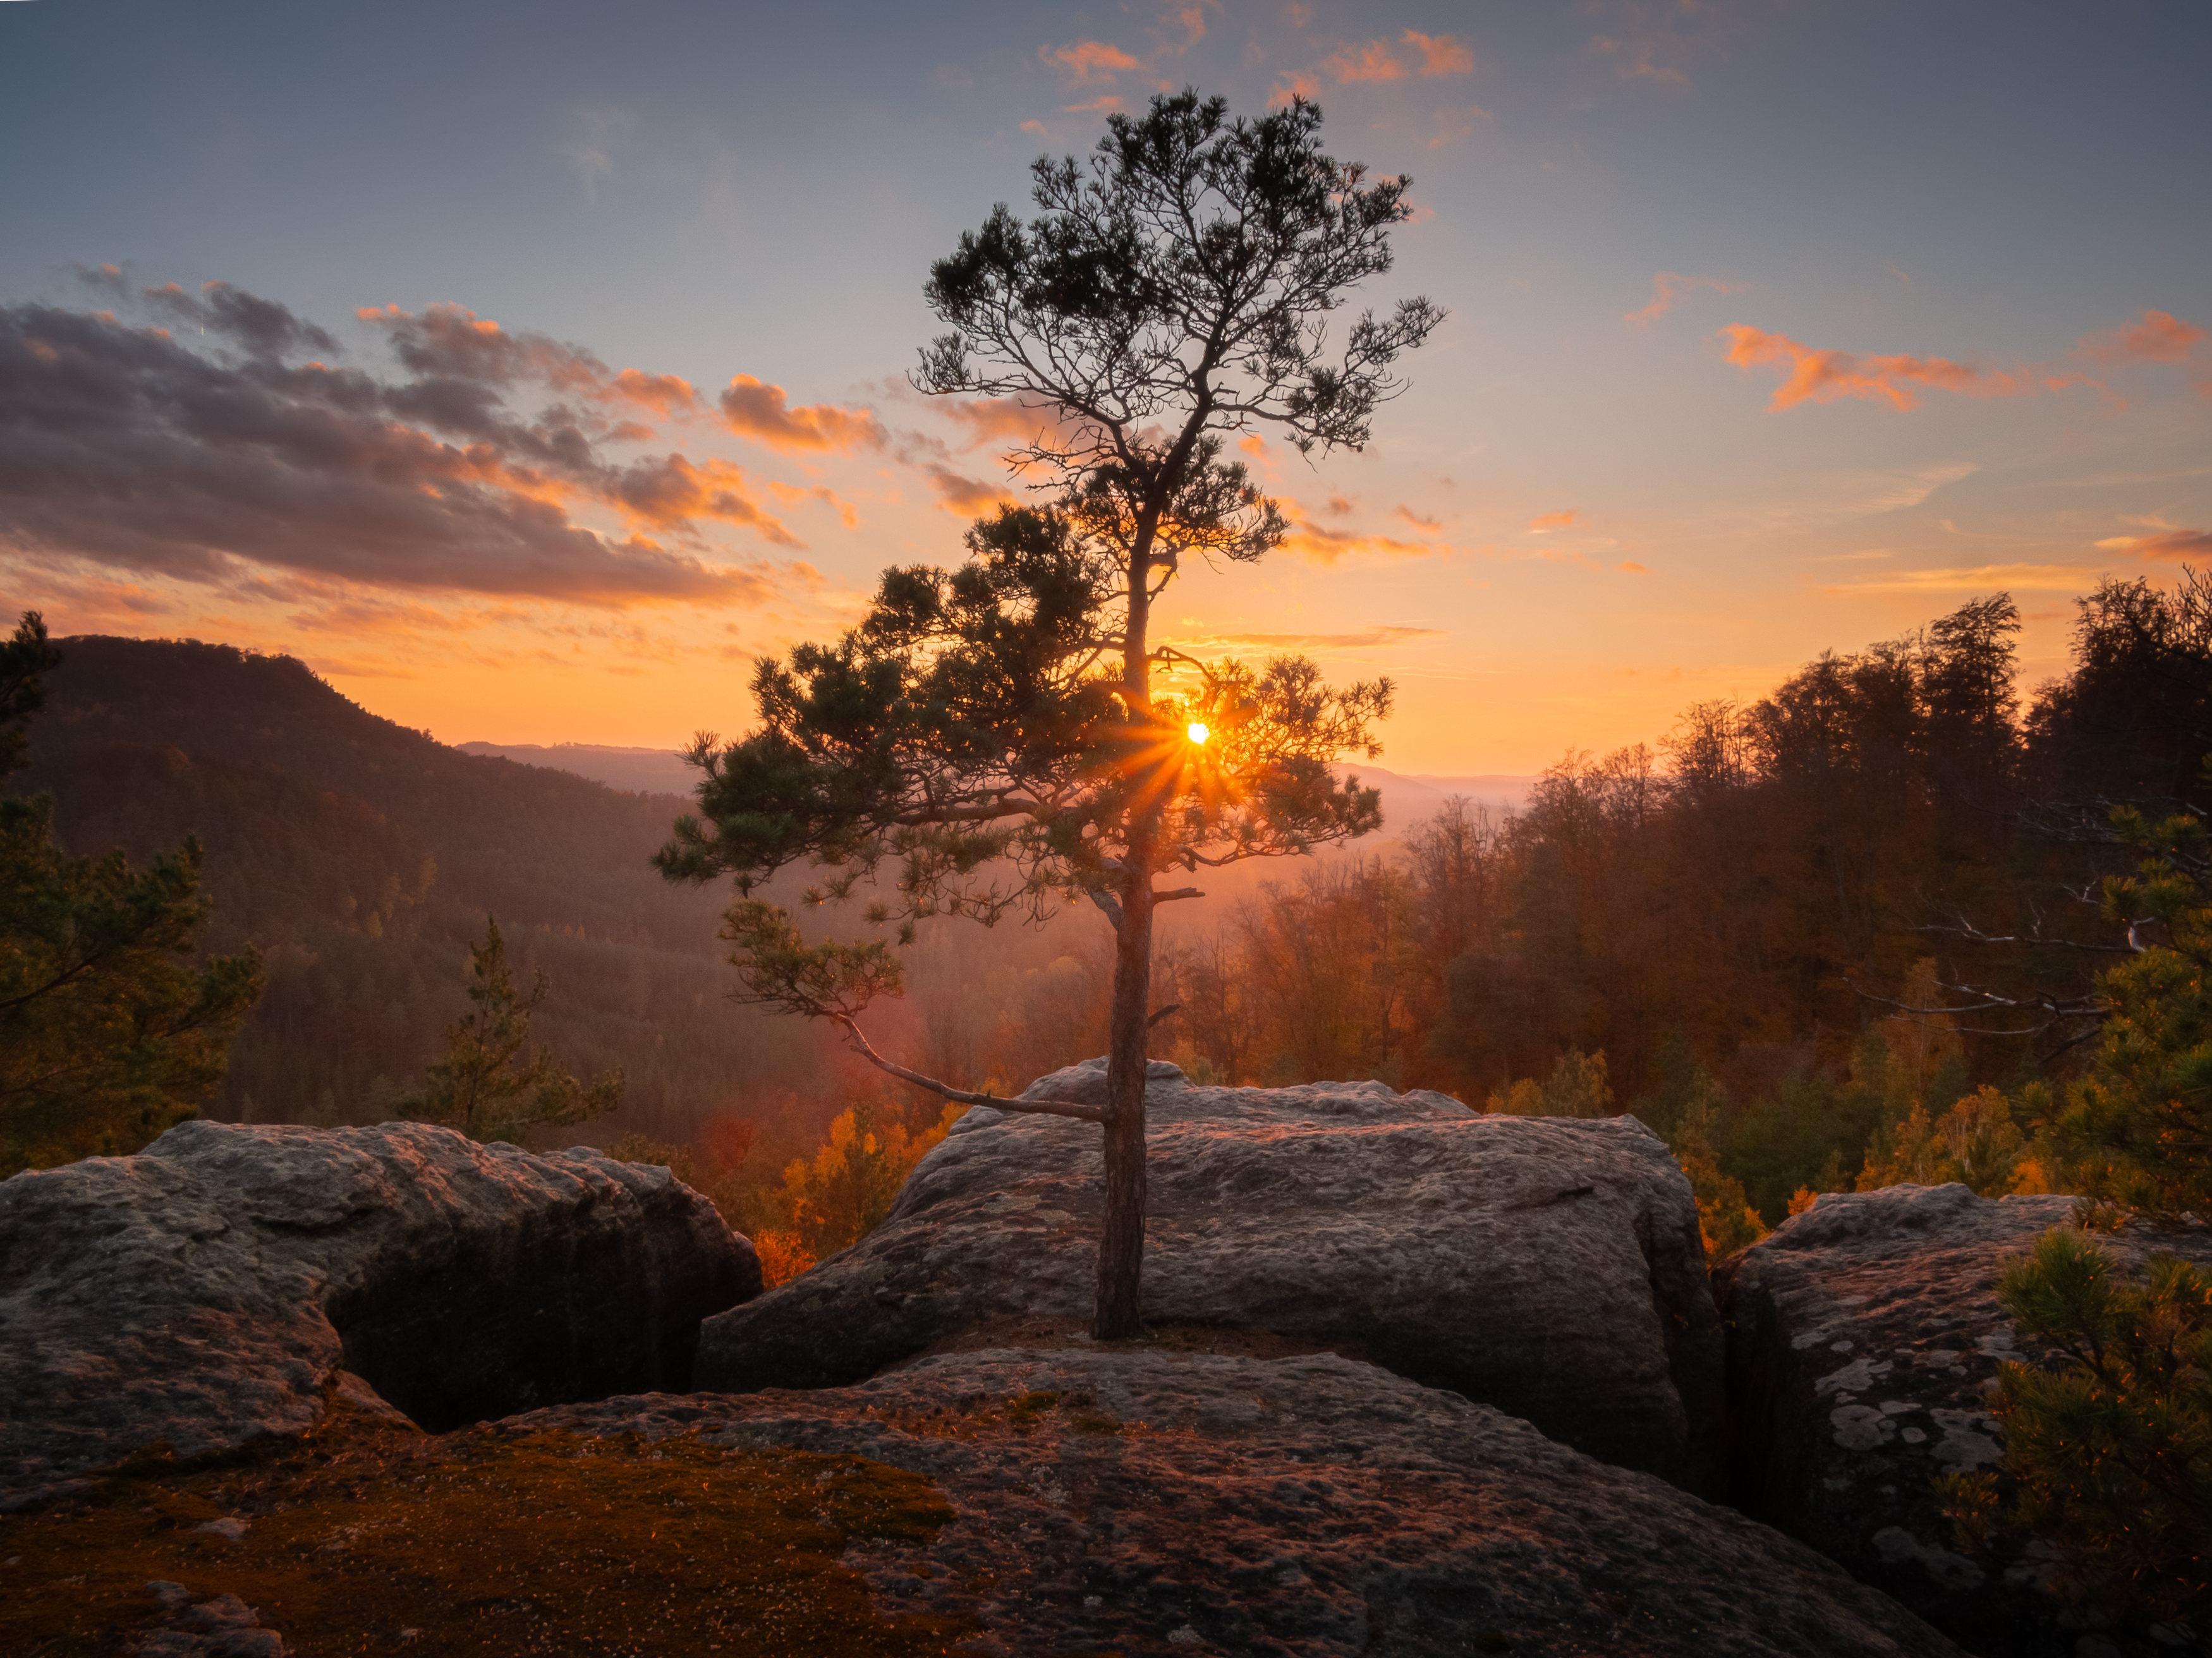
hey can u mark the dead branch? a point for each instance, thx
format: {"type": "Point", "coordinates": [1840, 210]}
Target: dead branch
{"type": "Point", "coordinates": [961, 1096]}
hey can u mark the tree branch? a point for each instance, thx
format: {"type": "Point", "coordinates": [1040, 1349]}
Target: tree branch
{"type": "Point", "coordinates": [961, 1096]}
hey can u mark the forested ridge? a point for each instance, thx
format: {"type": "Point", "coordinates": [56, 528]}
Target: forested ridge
{"type": "Point", "coordinates": [1795, 922]}
{"type": "Point", "coordinates": [1736, 931]}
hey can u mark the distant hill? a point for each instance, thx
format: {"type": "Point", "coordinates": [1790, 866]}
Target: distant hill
{"type": "Point", "coordinates": [362, 857]}
{"type": "Point", "coordinates": [649, 771]}
{"type": "Point", "coordinates": [1406, 798]}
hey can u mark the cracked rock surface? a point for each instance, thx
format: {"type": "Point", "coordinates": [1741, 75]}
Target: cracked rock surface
{"type": "Point", "coordinates": [1862, 1335]}
{"type": "Point", "coordinates": [222, 1285]}
{"type": "Point", "coordinates": [1149, 1502]}
{"type": "Point", "coordinates": [1549, 1267]}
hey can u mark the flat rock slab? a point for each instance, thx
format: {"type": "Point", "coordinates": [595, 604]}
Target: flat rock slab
{"type": "Point", "coordinates": [1551, 1268]}
{"type": "Point", "coordinates": [225, 1284]}
{"type": "Point", "coordinates": [1146, 1502]}
{"type": "Point", "coordinates": [1863, 1335]}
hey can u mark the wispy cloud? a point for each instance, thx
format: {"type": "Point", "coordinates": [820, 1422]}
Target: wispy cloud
{"type": "Point", "coordinates": [2154, 337]}
{"type": "Point", "coordinates": [1363, 638]}
{"type": "Point", "coordinates": [1820, 376]}
{"type": "Point", "coordinates": [2166, 542]}
{"type": "Point", "coordinates": [1667, 286]}
{"type": "Point", "coordinates": [1817, 374]}
{"type": "Point", "coordinates": [1326, 546]}
{"type": "Point", "coordinates": [1981, 578]}
{"type": "Point", "coordinates": [1440, 54]}
{"type": "Point", "coordinates": [591, 152]}
{"type": "Point", "coordinates": [1373, 62]}
{"type": "Point", "coordinates": [754, 410]}
{"type": "Point", "coordinates": [1081, 62]}
{"type": "Point", "coordinates": [958, 493]}
{"type": "Point", "coordinates": [1544, 523]}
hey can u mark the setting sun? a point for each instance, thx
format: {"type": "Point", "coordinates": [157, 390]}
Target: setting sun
{"type": "Point", "coordinates": [1197, 732]}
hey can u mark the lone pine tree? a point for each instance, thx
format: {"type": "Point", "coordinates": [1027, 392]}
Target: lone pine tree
{"type": "Point", "coordinates": [109, 1031]}
{"type": "Point", "coordinates": [1008, 733]}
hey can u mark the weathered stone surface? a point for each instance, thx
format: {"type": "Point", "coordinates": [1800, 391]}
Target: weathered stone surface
{"type": "Point", "coordinates": [1862, 1336]}
{"type": "Point", "coordinates": [219, 1286]}
{"type": "Point", "coordinates": [1144, 1503]}
{"type": "Point", "coordinates": [1547, 1266]}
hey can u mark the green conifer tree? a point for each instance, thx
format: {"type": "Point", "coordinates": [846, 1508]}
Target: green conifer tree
{"type": "Point", "coordinates": [487, 1086]}
{"type": "Point", "coordinates": [108, 1035]}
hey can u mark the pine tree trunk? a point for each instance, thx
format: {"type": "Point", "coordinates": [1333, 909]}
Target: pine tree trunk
{"type": "Point", "coordinates": [1115, 1315]}
{"type": "Point", "coordinates": [1121, 1237]}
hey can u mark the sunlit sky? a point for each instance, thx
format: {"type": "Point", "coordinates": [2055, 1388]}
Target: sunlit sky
{"type": "Point", "coordinates": [1774, 328]}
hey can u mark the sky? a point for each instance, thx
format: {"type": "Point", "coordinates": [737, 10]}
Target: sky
{"type": "Point", "coordinates": [531, 371]}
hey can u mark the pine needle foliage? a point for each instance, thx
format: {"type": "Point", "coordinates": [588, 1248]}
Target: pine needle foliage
{"type": "Point", "coordinates": [488, 1085]}
{"type": "Point", "coordinates": [109, 1033]}
{"type": "Point", "coordinates": [2108, 1455]}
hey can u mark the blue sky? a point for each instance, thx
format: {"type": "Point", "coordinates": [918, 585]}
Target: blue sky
{"type": "Point", "coordinates": [1973, 238]}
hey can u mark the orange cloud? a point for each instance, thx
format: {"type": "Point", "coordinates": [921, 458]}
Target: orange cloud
{"type": "Point", "coordinates": [790, 493]}
{"type": "Point", "coordinates": [1289, 85]}
{"type": "Point", "coordinates": [1548, 521]}
{"type": "Point", "coordinates": [1822, 376]}
{"type": "Point", "coordinates": [758, 411]}
{"type": "Point", "coordinates": [2154, 337]}
{"type": "Point", "coordinates": [2167, 544]}
{"type": "Point", "coordinates": [1081, 59]}
{"type": "Point", "coordinates": [1416, 519]}
{"type": "Point", "coordinates": [1371, 62]}
{"type": "Point", "coordinates": [451, 343]}
{"type": "Point", "coordinates": [1440, 53]}
{"type": "Point", "coordinates": [956, 492]}
{"type": "Point", "coordinates": [666, 395]}
{"type": "Point", "coordinates": [1326, 546]}
{"type": "Point", "coordinates": [1632, 567]}
{"type": "Point", "coordinates": [1001, 419]}
{"type": "Point", "coordinates": [672, 491]}
{"type": "Point", "coordinates": [1667, 286]}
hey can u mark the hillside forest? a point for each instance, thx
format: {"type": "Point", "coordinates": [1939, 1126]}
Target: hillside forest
{"type": "Point", "coordinates": [1846, 934]}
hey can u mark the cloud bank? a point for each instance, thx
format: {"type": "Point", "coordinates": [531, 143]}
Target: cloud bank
{"type": "Point", "coordinates": [124, 446]}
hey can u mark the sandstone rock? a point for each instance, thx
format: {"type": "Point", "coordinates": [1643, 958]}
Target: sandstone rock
{"type": "Point", "coordinates": [1549, 1267]}
{"type": "Point", "coordinates": [226, 1283]}
{"type": "Point", "coordinates": [1862, 1335]}
{"type": "Point", "coordinates": [1144, 1503]}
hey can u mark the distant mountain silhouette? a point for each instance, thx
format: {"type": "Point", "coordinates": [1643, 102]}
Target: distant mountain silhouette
{"type": "Point", "coordinates": [362, 856]}
{"type": "Point", "coordinates": [1406, 798]}
{"type": "Point", "coordinates": [649, 771]}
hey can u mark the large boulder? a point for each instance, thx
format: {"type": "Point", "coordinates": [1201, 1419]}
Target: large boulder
{"type": "Point", "coordinates": [220, 1286]}
{"type": "Point", "coordinates": [1146, 1502]}
{"type": "Point", "coordinates": [1862, 1337]}
{"type": "Point", "coordinates": [1551, 1268]}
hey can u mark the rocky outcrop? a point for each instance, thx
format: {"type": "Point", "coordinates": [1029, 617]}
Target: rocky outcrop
{"type": "Point", "coordinates": [1862, 1336]}
{"type": "Point", "coordinates": [1151, 1503]}
{"type": "Point", "coordinates": [1548, 1266]}
{"type": "Point", "coordinates": [223, 1285]}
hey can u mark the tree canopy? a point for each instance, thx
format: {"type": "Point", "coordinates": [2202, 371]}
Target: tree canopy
{"type": "Point", "coordinates": [996, 730]}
